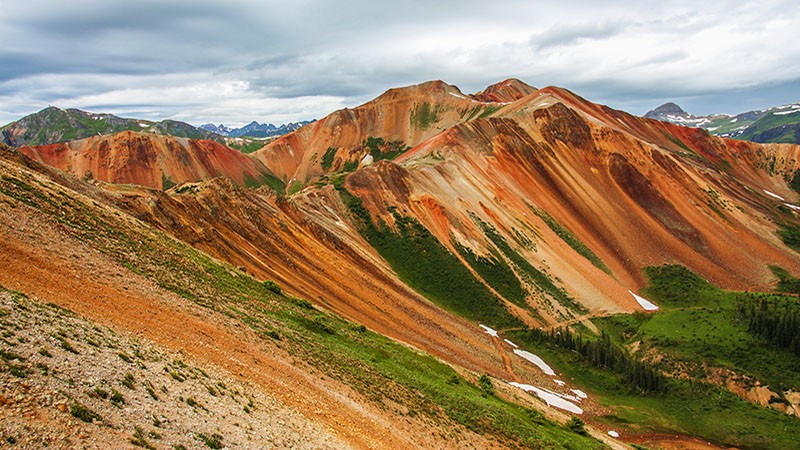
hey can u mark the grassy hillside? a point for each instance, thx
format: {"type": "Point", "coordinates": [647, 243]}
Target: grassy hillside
{"type": "Point", "coordinates": [695, 338]}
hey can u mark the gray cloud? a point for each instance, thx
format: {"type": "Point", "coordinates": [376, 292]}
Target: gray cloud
{"type": "Point", "coordinates": [238, 61]}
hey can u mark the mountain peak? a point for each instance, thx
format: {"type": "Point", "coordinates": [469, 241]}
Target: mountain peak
{"type": "Point", "coordinates": [668, 108]}
{"type": "Point", "coordinates": [505, 91]}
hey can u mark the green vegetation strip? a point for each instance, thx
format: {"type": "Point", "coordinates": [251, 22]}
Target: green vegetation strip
{"type": "Point", "coordinates": [428, 267]}
{"type": "Point", "coordinates": [571, 239]}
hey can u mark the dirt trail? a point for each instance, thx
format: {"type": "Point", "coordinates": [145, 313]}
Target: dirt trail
{"type": "Point", "coordinates": [506, 359]}
{"type": "Point", "coordinates": [74, 277]}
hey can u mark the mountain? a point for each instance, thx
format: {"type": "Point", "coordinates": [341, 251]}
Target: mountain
{"type": "Point", "coordinates": [778, 124]}
{"type": "Point", "coordinates": [150, 160]}
{"type": "Point", "coordinates": [514, 240]}
{"type": "Point", "coordinates": [255, 129]}
{"type": "Point", "coordinates": [220, 129]}
{"type": "Point", "coordinates": [52, 125]}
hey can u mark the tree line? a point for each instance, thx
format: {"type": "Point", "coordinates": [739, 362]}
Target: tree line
{"type": "Point", "coordinates": [777, 322]}
{"type": "Point", "coordinates": [604, 354]}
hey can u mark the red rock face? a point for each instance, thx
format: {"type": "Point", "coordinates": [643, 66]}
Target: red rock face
{"type": "Point", "coordinates": [148, 160]}
{"type": "Point", "coordinates": [506, 91]}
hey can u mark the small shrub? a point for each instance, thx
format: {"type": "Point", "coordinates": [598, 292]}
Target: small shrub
{"type": "Point", "coordinates": [18, 371]}
{"type": "Point", "coordinates": [66, 345]}
{"type": "Point", "coordinates": [485, 383]}
{"type": "Point", "coordinates": [123, 356]}
{"type": "Point", "coordinates": [81, 412]}
{"type": "Point", "coordinates": [150, 391]}
{"type": "Point", "coordinates": [128, 381]}
{"type": "Point", "coordinates": [44, 352]}
{"type": "Point", "coordinates": [577, 425]}
{"type": "Point", "coordinates": [99, 393]}
{"type": "Point", "coordinates": [139, 441]}
{"type": "Point", "coordinates": [116, 398]}
{"type": "Point", "coordinates": [10, 356]}
{"type": "Point", "coordinates": [214, 441]}
{"type": "Point", "coordinates": [272, 286]}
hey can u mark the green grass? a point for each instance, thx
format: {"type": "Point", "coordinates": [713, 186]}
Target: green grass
{"type": "Point", "coordinates": [696, 327]}
{"type": "Point", "coordinates": [538, 278]}
{"type": "Point", "coordinates": [571, 240]}
{"type": "Point", "coordinates": [489, 110]}
{"type": "Point", "coordinates": [266, 179]}
{"type": "Point", "coordinates": [328, 158]}
{"type": "Point", "coordinates": [246, 146]}
{"type": "Point", "coordinates": [675, 140]}
{"type": "Point", "coordinates": [790, 235]}
{"type": "Point", "coordinates": [786, 282]}
{"type": "Point", "coordinates": [494, 270]}
{"type": "Point", "coordinates": [428, 267]}
{"type": "Point", "coordinates": [381, 150]}
{"type": "Point", "coordinates": [424, 115]}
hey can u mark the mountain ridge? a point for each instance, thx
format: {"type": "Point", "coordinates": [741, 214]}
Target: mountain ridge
{"type": "Point", "coordinates": [52, 125]}
{"type": "Point", "coordinates": [780, 124]}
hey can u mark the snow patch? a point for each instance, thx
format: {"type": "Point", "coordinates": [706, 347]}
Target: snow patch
{"type": "Point", "coordinates": [367, 160]}
{"type": "Point", "coordinates": [511, 343]}
{"type": "Point", "coordinates": [539, 362]}
{"type": "Point", "coordinates": [558, 382]}
{"type": "Point", "coordinates": [580, 393]}
{"type": "Point", "coordinates": [783, 113]}
{"type": "Point", "coordinates": [551, 398]}
{"type": "Point", "coordinates": [613, 434]}
{"type": "Point", "coordinates": [644, 303]}
{"type": "Point", "coordinates": [794, 207]}
{"type": "Point", "coordinates": [457, 95]}
{"type": "Point", "coordinates": [142, 124]}
{"type": "Point", "coordinates": [489, 331]}
{"type": "Point", "coordinates": [771, 194]}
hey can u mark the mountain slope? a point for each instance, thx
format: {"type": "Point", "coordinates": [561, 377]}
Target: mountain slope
{"type": "Point", "coordinates": [52, 125]}
{"type": "Point", "coordinates": [779, 124]}
{"type": "Point", "coordinates": [150, 160]}
{"type": "Point", "coordinates": [403, 116]}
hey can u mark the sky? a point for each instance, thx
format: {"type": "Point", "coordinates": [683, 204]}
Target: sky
{"type": "Point", "coordinates": [236, 61]}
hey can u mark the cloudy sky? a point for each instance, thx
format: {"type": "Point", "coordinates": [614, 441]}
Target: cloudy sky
{"type": "Point", "coordinates": [242, 60]}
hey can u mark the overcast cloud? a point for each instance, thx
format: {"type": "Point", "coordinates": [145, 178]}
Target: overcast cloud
{"type": "Point", "coordinates": [237, 61]}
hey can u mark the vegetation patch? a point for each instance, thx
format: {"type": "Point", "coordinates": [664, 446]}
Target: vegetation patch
{"type": "Point", "coordinates": [790, 235]}
{"type": "Point", "coordinates": [380, 149]}
{"type": "Point", "coordinates": [424, 115]}
{"type": "Point", "coordinates": [265, 179]}
{"type": "Point", "coordinates": [571, 240]}
{"type": "Point", "coordinates": [428, 267]}
{"type": "Point", "coordinates": [328, 158]}
{"type": "Point", "coordinates": [542, 281]}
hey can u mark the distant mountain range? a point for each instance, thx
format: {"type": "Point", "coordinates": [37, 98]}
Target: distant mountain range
{"type": "Point", "coordinates": [777, 124]}
{"type": "Point", "coordinates": [52, 125]}
{"type": "Point", "coordinates": [254, 129]}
